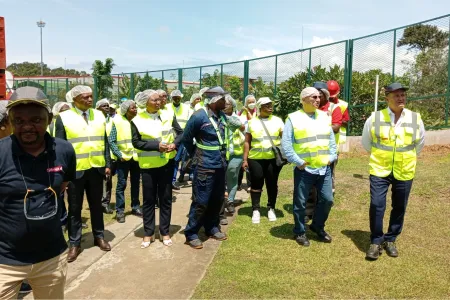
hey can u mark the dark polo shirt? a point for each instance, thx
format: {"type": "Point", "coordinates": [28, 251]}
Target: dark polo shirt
{"type": "Point", "coordinates": [24, 241]}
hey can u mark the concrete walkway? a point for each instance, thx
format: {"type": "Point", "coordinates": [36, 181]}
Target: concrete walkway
{"type": "Point", "coordinates": [130, 272]}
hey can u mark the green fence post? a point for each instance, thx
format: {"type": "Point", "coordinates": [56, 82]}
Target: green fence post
{"type": "Point", "coordinates": [67, 85]}
{"type": "Point", "coordinates": [95, 90]}
{"type": "Point", "coordinates": [200, 77]}
{"type": "Point", "coordinates": [447, 99]}
{"type": "Point", "coordinates": [346, 72]}
{"type": "Point", "coordinates": [393, 58]}
{"type": "Point", "coordinates": [132, 86]}
{"type": "Point", "coordinates": [180, 80]}
{"type": "Point", "coordinates": [45, 86]}
{"type": "Point", "coordinates": [349, 86]}
{"type": "Point", "coordinates": [308, 80]}
{"type": "Point", "coordinates": [275, 79]}
{"type": "Point", "coordinates": [246, 77]}
{"type": "Point", "coordinates": [118, 86]}
{"type": "Point", "coordinates": [221, 75]}
{"type": "Point", "coordinates": [162, 79]}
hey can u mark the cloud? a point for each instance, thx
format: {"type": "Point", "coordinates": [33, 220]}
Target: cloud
{"type": "Point", "coordinates": [164, 29]}
{"type": "Point", "coordinates": [318, 41]}
{"type": "Point", "coordinates": [330, 27]}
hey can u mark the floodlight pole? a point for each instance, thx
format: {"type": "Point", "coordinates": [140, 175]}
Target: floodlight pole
{"type": "Point", "coordinates": [41, 24]}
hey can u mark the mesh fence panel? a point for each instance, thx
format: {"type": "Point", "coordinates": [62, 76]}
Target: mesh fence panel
{"type": "Point", "coordinates": [233, 80]}
{"type": "Point", "coordinates": [262, 73]}
{"type": "Point", "coordinates": [291, 64]}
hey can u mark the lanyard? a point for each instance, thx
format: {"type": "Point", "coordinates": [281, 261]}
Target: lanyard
{"type": "Point", "coordinates": [216, 128]}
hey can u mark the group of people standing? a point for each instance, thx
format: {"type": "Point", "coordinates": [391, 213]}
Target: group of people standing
{"type": "Point", "coordinates": [148, 138]}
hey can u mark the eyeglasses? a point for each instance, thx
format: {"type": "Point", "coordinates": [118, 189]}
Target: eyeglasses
{"type": "Point", "coordinates": [39, 204]}
{"type": "Point", "coordinates": [315, 97]}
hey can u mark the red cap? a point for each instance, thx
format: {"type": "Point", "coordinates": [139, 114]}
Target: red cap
{"type": "Point", "coordinates": [333, 88]}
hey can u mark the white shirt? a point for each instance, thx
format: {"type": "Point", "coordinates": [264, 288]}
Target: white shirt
{"type": "Point", "coordinates": [367, 134]}
{"type": "Point", "coordinates": [80, 112]}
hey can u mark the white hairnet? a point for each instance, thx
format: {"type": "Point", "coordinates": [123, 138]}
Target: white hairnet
{"type": "Point", "coordinates": [308, 91]}
{"type": "Point", "coordinates": [195, 96]}
{"type": "Point", "coordinates": [141, 98]}
{"type": "Point", "coordinates": [69, 96]}
{"type": "Point", "coordinates": [125, 106]}
{"type": "Point", "coordinates": [57, 107]}
{"type": "Point", "coordinates": [161, 92]}
{"type": "Point", "coordinates": [3, 110]}
{"type": "Point", "coordinates": [230, 100]}
{"type": "Point", "coordinates": [203, 90]}
{"type": "Point", "coordinates": [101, 102]}
{"type": "Point", "coordinates": [176, 93]}
{"type": "Point", "coordinates": [248, 97]}
{"type": "Point", "coordinates": [80, 89]}
{"type": "Point", "coordinates": [214, 99]}
{"type": "Point", "coordinates": [262, 101]}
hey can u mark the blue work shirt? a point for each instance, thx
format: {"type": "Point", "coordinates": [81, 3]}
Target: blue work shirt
{"type": "Point", "coordinates": [200, 127]}
{"type": "Point", "coordinates": [288, 140]}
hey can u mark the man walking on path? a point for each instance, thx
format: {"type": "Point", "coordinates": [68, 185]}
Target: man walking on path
{"type": "Point", "coordinates": [393, 137]}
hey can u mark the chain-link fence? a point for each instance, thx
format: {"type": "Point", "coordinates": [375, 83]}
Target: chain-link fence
{"type": "Point", "coordinates": [416, 55]}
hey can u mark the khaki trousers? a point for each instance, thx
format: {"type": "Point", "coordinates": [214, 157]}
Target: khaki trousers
{"type": "Point", "coordinates": [47, 278]}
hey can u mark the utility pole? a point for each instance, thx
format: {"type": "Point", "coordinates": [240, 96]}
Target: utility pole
{"type": "Point", "coordinates": [41, 24]}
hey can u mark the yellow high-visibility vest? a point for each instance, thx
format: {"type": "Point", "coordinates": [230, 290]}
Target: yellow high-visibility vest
{"type": "Point", "coordinates": [123, 140]}
{"type": "Point", "coordinates": [199, 105]}
{"type": "Point", "coordinates": [260, 147]}
{"type": "Point", "coordinates": [154, 130]}
{"type": "Point", "coordinates": [394, 151]}
{"type": "Point", "coordinates": [237, 139]}
{"type": "Point", "coordinates": [182, 113]}
{"type": "Point", "coordinates": [343, 105]}
{"type": "Point", "coordinates": [87, 140]}
{"type": "Point", "coordinates": [312, 137]}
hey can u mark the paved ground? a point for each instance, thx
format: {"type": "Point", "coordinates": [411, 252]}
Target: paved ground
{"type": "Point", "coordinates": [130, 272]}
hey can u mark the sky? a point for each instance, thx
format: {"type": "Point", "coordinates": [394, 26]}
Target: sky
{"type": "Point", "coordinates": [145, 35]}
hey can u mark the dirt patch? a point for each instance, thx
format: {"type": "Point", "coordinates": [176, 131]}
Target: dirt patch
{"type": "Point", "coordinates": [436, 149]}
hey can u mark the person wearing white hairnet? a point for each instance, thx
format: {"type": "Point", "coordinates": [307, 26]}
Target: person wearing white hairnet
{"type": "Point", "coordinates": [195, 98]}
{"type": "Point", "coordinates": [5, 127]}
{"type": "Point", "coordinates": [235, 154]}
{"type": "Point", "coordinates": [163, 97]}
{"type": "Point", "coordinates": [69, 98]}
{"type": "Point", "coordinates": [126, 159]}
{"type": "Point", "coordinates": [58, 108]}
{"type": "Point", "coordinates": [259, 157]}
{"type": "Point", "coordinates": [103, 106]}
{"type": "Point", "coordinates": [156, 136]}
{"type": "Point", "coordinates": [248, 111]}
{"type": "Point", "coordinates": [202, 101]}
{"type": "Point", "coordinates": [85, 128]}
{"type": "Point", "coordinates": [209, 127]}
{"type": "Point", "coordinates": [308, 143]}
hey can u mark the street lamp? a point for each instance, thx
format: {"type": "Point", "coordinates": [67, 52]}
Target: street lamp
{"type": "Point", "coordinates": [41, 24]}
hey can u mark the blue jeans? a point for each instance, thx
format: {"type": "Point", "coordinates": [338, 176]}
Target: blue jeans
{"type": "Point", "coordinates": [303, 182]}
{"type": "Point", "coordinates": [123, 167]}
{"type": "Point", "coordinates": [178, 158]}
{"type": "Point", "coordinates": [208, 189]}
{"type": "Point", "coordinates": [400, 193]}
{"type": "Point", "coordinates": [234, 166]}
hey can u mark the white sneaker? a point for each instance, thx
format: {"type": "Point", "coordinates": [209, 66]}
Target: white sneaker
{"type": "Point", "coordinates": [256, 218]}
{"type": "Point", "coordinates": [271, 215]}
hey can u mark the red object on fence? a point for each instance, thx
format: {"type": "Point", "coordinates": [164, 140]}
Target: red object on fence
{"type": "Point", "coordinates": [2, 60]}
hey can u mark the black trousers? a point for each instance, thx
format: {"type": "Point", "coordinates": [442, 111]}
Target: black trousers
{"type": "Point", "coordinates": [107, 185]}
{"type": "Point", "coordinates": [91, 182]}
{"type": "Point", "coordinates": [264, 170]}
{"type": "Point", "coordinates": [157, 184]}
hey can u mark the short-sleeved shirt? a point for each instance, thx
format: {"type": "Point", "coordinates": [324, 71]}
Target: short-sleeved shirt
{"type": "Point", "coordinates": [24, 241]}
{"type": "Point", "coordinates": [336, 115]}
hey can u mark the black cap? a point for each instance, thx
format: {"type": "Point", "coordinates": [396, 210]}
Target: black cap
{"type": "Point", "coordinates": [28, 95]}
{"type": "Point", "coordinates": [320, 85]}
{"type": "Point", "coordinates": [215, 91]}
{"type": "Point", "coordinates": [394, 87]}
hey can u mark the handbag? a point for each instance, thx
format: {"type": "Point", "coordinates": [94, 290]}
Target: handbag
{"type": "Point", "coordinates": [280, 159]}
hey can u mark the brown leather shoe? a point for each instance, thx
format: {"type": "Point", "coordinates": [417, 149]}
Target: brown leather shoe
{"type": "Point", "coordinates": [74, 251]}
{"type": "Point", "coordinates": [102, 244]}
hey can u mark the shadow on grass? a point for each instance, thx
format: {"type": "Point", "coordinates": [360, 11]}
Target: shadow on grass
{"type": "Point", "coordinates": [286, 232]}
{"type": "Point", "coordinates": [173, 229]}
{"type": "Point", "coordinates": [248, 211]}
{"type": "Point", "coordinates": [360, 238]}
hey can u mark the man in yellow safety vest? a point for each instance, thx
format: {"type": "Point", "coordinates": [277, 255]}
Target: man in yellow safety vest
{"type": "Point", "coordinates": [393, 137]}
{"type": "Point", "coordinates": [85, 129]}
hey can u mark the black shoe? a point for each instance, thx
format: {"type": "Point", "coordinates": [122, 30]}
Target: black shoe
{"type": "Point", "coordinates": [120, 217]}
{"type": "Point", "coordinates": [391, 249]}
{"type": "Point", "coordinates": [230, 207]}
{"type": "Point", "coordinates": [322, 234]}
{"type": "Point", "coordinates": [374, 252]}
{"type": "Point", "coordinates": [25, 288]}
{"type": "Point", "coordinates": [137, 212]}
{"type": "Point", "coordinates": [107, 209]}
{"type": "Point", "coordinates": [302, 240]}
{"type": "Point", "coordinates": [175, 186]}
{"type": "Point", "coordinates": [181, 179]}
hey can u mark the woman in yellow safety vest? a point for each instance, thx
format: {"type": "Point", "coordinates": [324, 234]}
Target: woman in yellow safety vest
{"type": "Point", "coordinates": [153, 137]}
{"type": "Point", "coordinates": [259, 158]}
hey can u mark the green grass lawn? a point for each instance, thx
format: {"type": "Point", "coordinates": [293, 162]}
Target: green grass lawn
{"type": "Point", "coordinates": [263, 260]}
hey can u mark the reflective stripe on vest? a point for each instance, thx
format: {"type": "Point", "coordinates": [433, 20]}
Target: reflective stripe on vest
{"type": "Point", "coordinates": [394, 149]}
{"type": "Point", "coordinates": [312, 137]}
{"type": "Point", "coordinates": [219, 136]}
{"type": "Point", "coordinates": [87, 140]}
{"type": "Point", "coordinates": [123, 138]}
{"type": "Point", "coordinates": [237, 139]}
{"type": "Point", "coordinates": [152, 130]}
{"type": "Point", "coordinates": [260, 147]}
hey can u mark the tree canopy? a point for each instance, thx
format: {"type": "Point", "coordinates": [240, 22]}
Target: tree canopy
{"type": "Point", "coordinates": [26, 68]}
